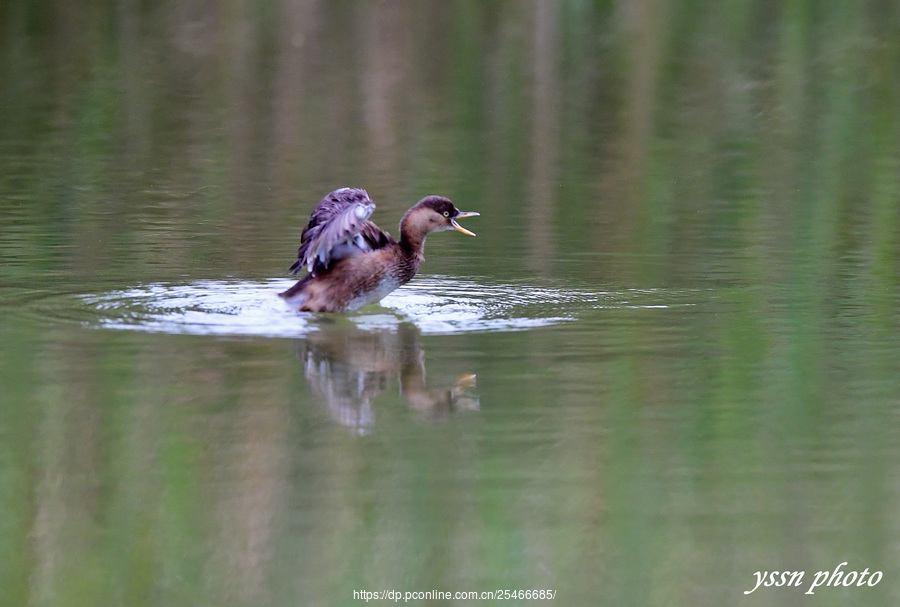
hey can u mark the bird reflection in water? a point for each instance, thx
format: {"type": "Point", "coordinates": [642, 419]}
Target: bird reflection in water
{"type": "Point", "coordinates": [347, 367]}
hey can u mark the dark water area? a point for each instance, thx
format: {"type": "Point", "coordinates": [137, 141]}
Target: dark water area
{"type": "Point", "coordinates": [667, 366]}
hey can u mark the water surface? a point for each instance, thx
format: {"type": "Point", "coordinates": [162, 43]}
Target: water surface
{"type": "Point", "coordinates": [668, 361]}
{"type": "Point", "coordinates": [438, 305]}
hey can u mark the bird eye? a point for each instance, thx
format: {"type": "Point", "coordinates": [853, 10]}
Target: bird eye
{"type": "Point", "coordinates": [446, 213]}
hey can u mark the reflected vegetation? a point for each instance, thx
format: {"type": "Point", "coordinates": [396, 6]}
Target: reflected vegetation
{"type": "Point", "coordinates": [683, 306]}
{"type": "Point", "coordinates": [347, 368]}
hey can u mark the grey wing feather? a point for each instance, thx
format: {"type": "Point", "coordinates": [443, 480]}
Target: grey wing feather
{"type": "Point", "coordinates": [339, 228]}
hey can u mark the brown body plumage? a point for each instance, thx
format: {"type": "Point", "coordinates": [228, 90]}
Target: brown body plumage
{"type": "Point", "coordinates": [351, 261]}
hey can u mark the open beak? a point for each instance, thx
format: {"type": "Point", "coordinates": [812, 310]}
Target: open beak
{"type": "Point", "coordinates": [460, 215]}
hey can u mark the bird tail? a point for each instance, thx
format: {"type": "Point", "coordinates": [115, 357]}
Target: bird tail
{"type": "Point", "coordinates": [294, 294]}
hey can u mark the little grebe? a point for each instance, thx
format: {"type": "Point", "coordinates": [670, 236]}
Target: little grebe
{"type": "Point", "coordinates": [351, 261]}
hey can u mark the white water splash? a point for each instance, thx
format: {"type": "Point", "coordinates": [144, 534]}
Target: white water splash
{"type": "Point", "coordinates": [436, 305]}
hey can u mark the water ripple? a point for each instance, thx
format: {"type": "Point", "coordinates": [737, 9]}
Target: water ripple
{"type": "Point", "coordinates": [436, 305]}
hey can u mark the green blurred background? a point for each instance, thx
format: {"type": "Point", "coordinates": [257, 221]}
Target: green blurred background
{"type": "Point", "coordinates": [733, 167]}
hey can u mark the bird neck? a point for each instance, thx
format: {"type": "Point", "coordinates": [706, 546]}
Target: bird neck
{"type": "Point", "coordinates": [412, 238]}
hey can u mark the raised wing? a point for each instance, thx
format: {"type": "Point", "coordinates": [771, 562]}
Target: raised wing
{"type": "Point", "coordinates": [339, 228]}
